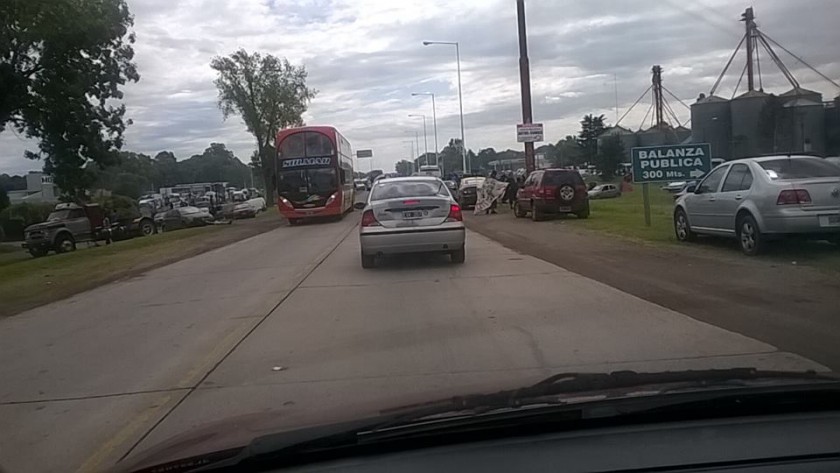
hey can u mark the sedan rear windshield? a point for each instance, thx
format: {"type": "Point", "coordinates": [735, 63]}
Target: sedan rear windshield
{"type": "Point", "coordinates": [402, 189]}
{"type": "Point", "coordinates": [800, 168]}
{"type": "Point", "coordinates": [557, 178]}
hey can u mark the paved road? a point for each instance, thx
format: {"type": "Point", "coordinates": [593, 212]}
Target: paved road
{"type": "Point", "coordinates": [110, 372]}
{"type": "Point", "coordinates": [793, 307]}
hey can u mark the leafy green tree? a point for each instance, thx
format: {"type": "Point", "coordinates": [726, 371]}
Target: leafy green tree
{"type": "Point", "coordinates": [591, 127]}
{"type": "Point", "coordinates": [610, 156]}
{"type": "Point", "coordinates": [404, 168]}
{"type": "Point", "coordinates": [62, 64]}
{"type": "Point", "coordinates": [567, 152]}
{"type": "Point", "coordinates": [4, 199]}
{"type": "Point", "coordinates": [268, 93]}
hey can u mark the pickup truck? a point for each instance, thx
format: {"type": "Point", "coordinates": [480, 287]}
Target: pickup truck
{"type": "Point", "coordinates": [70, 224]}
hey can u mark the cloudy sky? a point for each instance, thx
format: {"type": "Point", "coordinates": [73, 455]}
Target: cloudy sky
{"type": "Point", "coordinates": [366, 58]}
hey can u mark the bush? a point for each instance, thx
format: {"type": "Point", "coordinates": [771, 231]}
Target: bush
{"type": "Point", "coordinates": [125, 207]}
{"type": "Point", "coordinates": [15, 218]}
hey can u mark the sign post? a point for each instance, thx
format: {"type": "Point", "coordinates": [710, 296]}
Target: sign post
{"type": "Point", "coordinates": [669, 163]}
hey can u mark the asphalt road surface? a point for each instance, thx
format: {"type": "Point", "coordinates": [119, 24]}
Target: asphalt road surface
{"type": "Point", "coordinates": [288, 323]}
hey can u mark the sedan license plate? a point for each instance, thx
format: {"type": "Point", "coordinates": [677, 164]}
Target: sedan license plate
{"type": "Point", "coordinates": [830, 220]}
{"type": "Point", "coordinates": [564, 209]}
{"type": "Point", "coordinates": [410, 214]}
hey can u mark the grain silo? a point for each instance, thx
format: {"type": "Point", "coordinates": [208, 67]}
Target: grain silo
{"type": "Point", "coordinates": [710, 123]}
{"type": "Point", "coordinates": [747, 128]}
{"type": "Point", "coordinates": [807, 118]}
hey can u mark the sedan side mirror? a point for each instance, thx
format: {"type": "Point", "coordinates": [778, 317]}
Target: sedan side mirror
{"type": "Point", "coordinates": [359, 205]}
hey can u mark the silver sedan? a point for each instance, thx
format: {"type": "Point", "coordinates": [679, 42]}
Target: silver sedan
{"type": "Point", "coordinates": [411, 215]}
{"type": "Point", "coordinates": [757, 199]}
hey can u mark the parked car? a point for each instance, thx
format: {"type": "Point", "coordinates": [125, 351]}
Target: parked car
{"type": "Point", "coordinates": [468, 191]}
{"type": "Point", "coordinates": [183, 217]}
{"type": "Point", "coordinates": [604, 191]}
{"type": "Point", "coordinates": [552, 191]}
{"type": "Point", "coordinates": [688, 187]}
{"type": "Point", "coordinates": [756, 199]}
{"type": "Point", "coordinates": [410, 215]}
{"type": "Point", "coordinates": [65, 226]}
{"type": "Point", "coordinates": [244, 210]}
{"type": "Point", "coordinates": [452, 186]}
{"type": "Point", "coordinates": [360, 184]}
{"type": "Point", "coordinates": [674, 187]}
{"type": "Point", "coordinates": [258, 203]}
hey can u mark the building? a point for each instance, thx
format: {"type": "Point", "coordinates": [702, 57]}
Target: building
{"type": "Point", "coordinates": [39, 188]}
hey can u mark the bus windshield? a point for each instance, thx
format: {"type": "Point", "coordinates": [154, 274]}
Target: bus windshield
{"type": "Point", "coordinates": [306, 168]}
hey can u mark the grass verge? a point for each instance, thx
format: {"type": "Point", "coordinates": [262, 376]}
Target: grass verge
{"type": "Point", "coordinates": [27, 282]}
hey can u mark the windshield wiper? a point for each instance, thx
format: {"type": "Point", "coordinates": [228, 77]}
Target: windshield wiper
{"type": "Point", "coordinates": [571, 383]}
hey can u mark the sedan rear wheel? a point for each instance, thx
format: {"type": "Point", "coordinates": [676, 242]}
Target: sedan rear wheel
{"type": "Point", "coordinates": [749, 236]}
{"type": "Point", "coordinates": [458, 256]}
{"type": "Point", "coordinates": [368, 261]}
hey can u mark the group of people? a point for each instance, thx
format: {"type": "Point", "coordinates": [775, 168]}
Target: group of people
{"type": "Point", "coordinates": [497, 188]}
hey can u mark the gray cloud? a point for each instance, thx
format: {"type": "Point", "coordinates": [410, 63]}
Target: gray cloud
{"type": "Point", "coordinates": [366, 57]}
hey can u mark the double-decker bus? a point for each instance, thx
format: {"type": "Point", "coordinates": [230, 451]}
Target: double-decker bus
{"type": "Point", "coordinates": [314, 173]}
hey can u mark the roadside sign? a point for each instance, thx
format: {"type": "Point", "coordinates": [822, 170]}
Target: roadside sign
{"type": "Point", "coordinates": [364, 153]}
{"type": "Point", "coordinates": [671, 163]}
{"type": "Point", "coordinates": [529, 132]}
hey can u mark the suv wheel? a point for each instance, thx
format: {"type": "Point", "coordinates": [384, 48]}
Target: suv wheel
{"type": "Point", "coordinates": [65, 244]}
{"type": "Point", "coordinates": [518, 211]}
{"type": "Point", "coordinates": [147, 228]}
{"type": "Point", "coordinates": [584, 213]}
{"type": "Point", "coordinates": [681, 228]}
{"type": "Point", "coordinates": [749, 236]}
{"type": "Point", "coordinates": [536, 213]}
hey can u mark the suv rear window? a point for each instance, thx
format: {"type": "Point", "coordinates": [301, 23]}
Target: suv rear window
{"type": "Point", "coordinates": [558, 178]}
{"type": "Point", "coordinates": [402, 189]}
{"type": "Point", "coordinates": [799, 168]}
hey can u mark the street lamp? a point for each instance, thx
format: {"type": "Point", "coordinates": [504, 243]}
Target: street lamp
{"type": "Point", "coordinates": [434, 125]}
{"type": "Point", "coordinates": [460, 97]}
{"type": "Point", "coordinates": [425, 141]}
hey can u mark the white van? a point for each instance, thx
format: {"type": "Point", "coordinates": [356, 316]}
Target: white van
{"type": "Point", "coordinates": [430, 170]}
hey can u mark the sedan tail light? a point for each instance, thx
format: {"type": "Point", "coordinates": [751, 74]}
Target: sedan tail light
{"type": "Point", "coordinates": [793, 196]}
{"type": "Point", "coordinates": [369, 220]}
{"type": "Point", "coordinates": [455, 214]}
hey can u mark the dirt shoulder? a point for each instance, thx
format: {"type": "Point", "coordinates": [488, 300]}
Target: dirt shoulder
{"type": "Point", "coordinates": [790, 306]}
{"type": "Point", "coordinates": [27, 282]}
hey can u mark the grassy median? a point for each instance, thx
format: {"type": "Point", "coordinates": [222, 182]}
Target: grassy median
{"type": "Point", "coordinates": [27, 282]}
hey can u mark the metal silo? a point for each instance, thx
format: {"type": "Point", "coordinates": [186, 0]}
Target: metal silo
{"type": "Point", "coordinates": [807, 121]}
{"type": "Point", "coordinates": [799, 92]}
{"type": "Point", "coordinates": [748, 136]}
{"type": "Point", "coordinates": [710, 123]}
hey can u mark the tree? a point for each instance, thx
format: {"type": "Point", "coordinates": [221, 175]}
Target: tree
{"type": "Point", "coordinates": [610, 156]}
{"type": "Point", "coordinates": [4, 199]}
{"type": "Point", "coordinates": [591, 127]}
{"type": "Point", "coordinates": [568, 152]}
{"type": "Point", "coordinates": [404, 168]}
{"type": "Point", "coordinates": [62, 63]}
{"type": "Point", "coordinates": [268, 93]}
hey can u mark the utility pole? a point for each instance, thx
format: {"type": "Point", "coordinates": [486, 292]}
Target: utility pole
{"type": "Point", "coordinates": [525, 82]}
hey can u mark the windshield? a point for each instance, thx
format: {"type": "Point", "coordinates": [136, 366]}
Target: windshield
{"type": "Point", "coordinates": [456, 197]}
{"type": "Point", "coordinates": [799, 168]}
{"type": "Point", "coordinates": [414, 188]}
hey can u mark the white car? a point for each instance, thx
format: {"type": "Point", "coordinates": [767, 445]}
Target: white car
{"type": "Point", "coordinates": [411, 215]}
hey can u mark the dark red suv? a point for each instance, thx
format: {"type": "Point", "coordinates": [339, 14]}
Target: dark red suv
{"type": "Point", "coordinates": [552, 191]}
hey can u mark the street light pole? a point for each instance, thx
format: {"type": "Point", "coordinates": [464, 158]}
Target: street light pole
{"type": "Point", "coordinates": [460, 96]}
{"type": "Point", "coordinates": [434, 125]}
{"type": "Point", "coordinates": [425, 137]}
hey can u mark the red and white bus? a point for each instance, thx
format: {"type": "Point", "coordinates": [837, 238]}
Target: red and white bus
{"type": "Point", "coordinates": [314, 173]}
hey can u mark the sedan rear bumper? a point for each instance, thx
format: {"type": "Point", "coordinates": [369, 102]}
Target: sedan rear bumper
{"type": "Point", "coordinates": [801, 222]}
{"type": "Point", "coordinates": [419, 240]}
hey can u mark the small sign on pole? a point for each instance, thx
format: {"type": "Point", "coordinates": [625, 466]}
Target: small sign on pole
{"type": "Point", "coordinates": [529, 132]}
{"type": "Point", "coordinates": [669, 163]}
{"type": "Point", "coordinates": [364, 153]}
